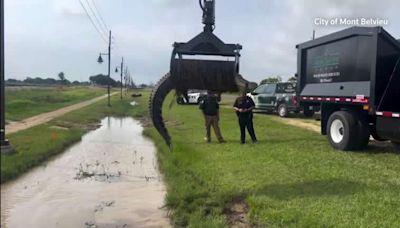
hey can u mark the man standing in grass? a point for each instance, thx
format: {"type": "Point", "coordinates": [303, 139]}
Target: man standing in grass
{"type": "Point", "coordinates": [210, 107]}
{"type": "Point", "coordinates": [244, 106]}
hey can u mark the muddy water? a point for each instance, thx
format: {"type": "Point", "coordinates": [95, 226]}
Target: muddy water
{"type": "Point", "coordinates": [109, 179]}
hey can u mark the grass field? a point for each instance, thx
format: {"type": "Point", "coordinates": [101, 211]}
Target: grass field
{"type": "Point", "coordinates": [38, 144]}
{"type": "Point", "coordinates": [26, 102]}
{"type": "Point", "coordinates": [291, 178]}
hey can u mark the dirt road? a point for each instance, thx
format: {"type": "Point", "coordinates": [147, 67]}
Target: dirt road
{"type": "Point", "coordinates": [13, 127]}
{"type": "Point", "coordinates": [298, 123]}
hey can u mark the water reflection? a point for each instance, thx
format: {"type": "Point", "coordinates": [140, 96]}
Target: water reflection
{"type": "Point", "coordinates": [109, 179]}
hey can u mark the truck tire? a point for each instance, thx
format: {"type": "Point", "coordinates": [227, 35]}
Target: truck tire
{"type": "Point", "coordinates": [342, 130]}
{"type": "Point", "coordinates": [307, 112]}
{"type": "Point", "coordinates": [282, 110]}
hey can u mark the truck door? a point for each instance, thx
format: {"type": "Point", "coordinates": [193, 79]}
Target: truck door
{"type": "Point", "coordinates": [262, 97]}
{"type": "Point", "coordinates": [269, 98]}
{"type": "Point", "coordinates": [257, 96]}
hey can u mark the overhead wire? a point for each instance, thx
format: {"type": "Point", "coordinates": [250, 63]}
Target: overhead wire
{"type": "Point", "coordinates": [93, 23]}
{"type": "Point", "coordinates": [101, 26]}
{"type": "Point", "coordinates": [101, 17]}
{"type": "Point", "coordinates": [101, 21]}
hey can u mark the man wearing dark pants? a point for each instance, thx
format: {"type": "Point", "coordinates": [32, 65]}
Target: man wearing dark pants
{"type": "Point", "coordinates": [244, 106]}
{"type": "Point", "coordinates": [210, 108]}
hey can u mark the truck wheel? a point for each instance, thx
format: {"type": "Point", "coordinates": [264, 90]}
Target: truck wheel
{"type": "Point", "coordinates": [282, 110]}
{"type": "Point", "coordinates": [342, 130]}
{"type": "Point", "coordinates": [307, 112]}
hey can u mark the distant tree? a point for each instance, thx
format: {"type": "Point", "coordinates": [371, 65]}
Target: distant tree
{"type": "Point", "coordinates": [75, 83]}
{"type": "Point", "coordinates": [292, 79]}
{"type": "Point", "coordinates": [273, 79]}
{"type": "Point", "coordinates": [102, 80]}
{"type": "Point", "coordinates": [117, 83]}
{"type": "Point", "coordinates": [251, 86]}
{"type": "Point", "coordinates": [61, 76]}
{"type": "Point", "coordinates": [11, 80]}
{"type": "Point", "coordinates": [49, 81]}
{"type": "Point", "coordinates": [40, 81]}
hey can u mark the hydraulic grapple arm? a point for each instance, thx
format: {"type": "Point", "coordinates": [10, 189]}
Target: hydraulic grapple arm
{"type": "Point", "coordinates": [187, 72]}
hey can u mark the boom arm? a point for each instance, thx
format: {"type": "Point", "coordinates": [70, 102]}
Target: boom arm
{"type": "Point", "coordinates": [208, 7]}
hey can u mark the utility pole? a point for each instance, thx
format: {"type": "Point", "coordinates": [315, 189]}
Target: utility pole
{"type": "Point", "coordinates": [109, 65]}
{"type": "Point", "coordinates": [4, 144]}
{"type": "Point", "coordinates": [126, 80]}
{"type": "Point", "coordinates": [100, 60]}
{"type": "Point", "coordinates": [122, 71]}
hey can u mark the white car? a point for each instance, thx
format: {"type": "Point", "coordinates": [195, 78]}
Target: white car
{"type": "Point", "coordinates": [194, 97]}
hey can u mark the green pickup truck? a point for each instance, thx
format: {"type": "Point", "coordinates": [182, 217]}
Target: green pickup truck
{"type": "Point", "coordinates": [279, 97]}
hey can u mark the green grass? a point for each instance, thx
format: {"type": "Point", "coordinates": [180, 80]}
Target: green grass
{"type": "Point", "coordinates": [24, 103]}
{"type": "Point", "coordinates": [36, 145]}
{"type": "Point", "coordinates": [291, 178]}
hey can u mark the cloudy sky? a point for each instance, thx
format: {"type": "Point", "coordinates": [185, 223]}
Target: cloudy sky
{"type": "Point", "coordinates": [44, 37]}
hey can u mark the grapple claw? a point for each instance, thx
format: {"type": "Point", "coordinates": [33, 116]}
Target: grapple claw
{"type": "Point", "coordinates": [157, 97]}
{"type": "Point", "coordinates": [187, 72]}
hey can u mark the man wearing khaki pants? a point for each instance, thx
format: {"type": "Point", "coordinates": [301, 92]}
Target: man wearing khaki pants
{"type": "Point", "coordinates": [210, 107]}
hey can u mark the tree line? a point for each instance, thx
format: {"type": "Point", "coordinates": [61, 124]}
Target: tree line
{"type": "Point", "coordinates": [276, 79]}
{"type": "Point", "coordinates": [96, 80]}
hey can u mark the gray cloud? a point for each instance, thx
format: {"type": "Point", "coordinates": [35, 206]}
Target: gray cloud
{"type": "Point", "coordinates": [54, 35]}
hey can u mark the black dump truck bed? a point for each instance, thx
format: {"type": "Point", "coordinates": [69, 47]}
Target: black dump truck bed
{"type": "Point", "coordinates": [354, 77]}
{"type": "Point", "coordinates": [358, 65]}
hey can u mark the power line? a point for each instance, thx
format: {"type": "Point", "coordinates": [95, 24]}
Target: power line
{"type": "Point", "coordinates": [94, 24]}
{"type": "Point", "coordinates": [95, 17]}
{"type": "Point", "coordinates": [98, 12]}
{"type": "Point", "coordinates": [100, 25]}
{"type": "Point", "coordinates": [95, 11]}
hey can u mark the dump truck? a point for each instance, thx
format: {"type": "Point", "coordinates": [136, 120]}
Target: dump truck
{"type": "Point", "coordinates": [354, 76]}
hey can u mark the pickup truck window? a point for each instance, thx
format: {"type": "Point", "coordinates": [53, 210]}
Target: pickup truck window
{"type": "Point", "coordinates": [260, 89]}
{"type": "Point", "coordinates": [286, 88]}
{"type": "Point", "coordinates": [270, 89]}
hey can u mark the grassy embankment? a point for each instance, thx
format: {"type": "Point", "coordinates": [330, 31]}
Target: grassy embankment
{"type": "Point", "coordinates": [38, 144]}
{"type": "Point", "coordinates": [22, 103]}
{"type": "Point", "coordinates": [291, 178]}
